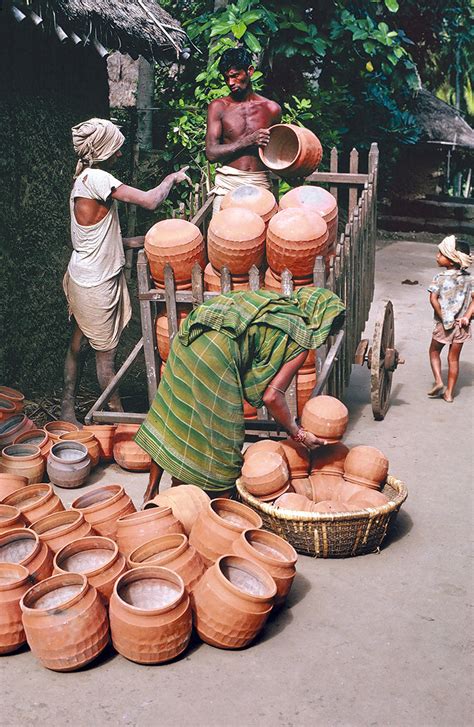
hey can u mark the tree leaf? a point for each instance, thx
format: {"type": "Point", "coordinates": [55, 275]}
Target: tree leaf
{"type": "Point", "coordinates": [252, 43]}
{"type": "Point", "coordinates": [239, 29]}
{"type": "Point", "coordinates": [392, 5]}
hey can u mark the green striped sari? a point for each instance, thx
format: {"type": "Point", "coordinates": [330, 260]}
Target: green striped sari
{"type": "Point", "coordinates": [227, 350]}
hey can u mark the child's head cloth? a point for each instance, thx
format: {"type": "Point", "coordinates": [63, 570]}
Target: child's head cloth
{"type": "Point", "coordinates": [448, 248]}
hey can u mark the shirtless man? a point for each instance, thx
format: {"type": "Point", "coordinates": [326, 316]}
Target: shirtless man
{"type": "Point", "coordinates": [237, 125]}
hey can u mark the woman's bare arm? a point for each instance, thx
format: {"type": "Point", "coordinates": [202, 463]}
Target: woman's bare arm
{"type": "Point", "coordinates": [154, 197]}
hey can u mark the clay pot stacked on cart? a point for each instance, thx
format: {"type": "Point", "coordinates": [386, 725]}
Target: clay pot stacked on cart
{"type": "Point", "coordinates": [35, 501]}
{"type": "Point", "coordinates": [68, 464]}
{"type": "Point", "coordinates": [39, 438]}
{"type": "Point", "coordinates": [294, 239]}
{"type": "Point", "coordinates": [24, 460]}
{"type": "Point", "coordinates": [11, 517]}
{"type": "Point", "coordinates": [315, 199]}
{"type": "Point", "coordinates": [23, 546]}
{"type": "Point", "coordinates": [265, 475]}
{"type": "Point", "coordinates": [103, 506]}
{"type": "Point", "coordinates": [162, 329]}
{"type": "Point", "coordinates": [9, 483]}
{"type": "Point", "coordinates": [14, 582]}
{"type": "Point", "coordinates": [179, 243]}
{"type": "Point", "coordinates": [11, 428]}
{"type": "Point", "coordinates": [213, 281]}
{"type": "Point", "coordinates": [88, 440]}
{"type": "Point", "coordinates": [256, 199]}
{"type": "Point", "coordinates": [139, 527]}
{"type": "Point", "coordinates": [60, 528]}
{"type": "Point", "coordinates": [292, 151]}
{"type": "Point", "coordinates": [185, 501]}
{"type": "Point", "coordinates": [104, 433]}
{"type": "Point", "coordinates": [236, 240]}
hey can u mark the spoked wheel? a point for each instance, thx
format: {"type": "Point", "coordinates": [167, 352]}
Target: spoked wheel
{"type": "Point", "coordinates": [382, 361]}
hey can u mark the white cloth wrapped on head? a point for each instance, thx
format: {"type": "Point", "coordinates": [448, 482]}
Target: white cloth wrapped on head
{"type": "Point", "coordinates": [95, 141]}
{"type": "Point", "coordinates": [448, 248]}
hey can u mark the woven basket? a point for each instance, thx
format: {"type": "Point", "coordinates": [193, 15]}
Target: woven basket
{"type": "Point", "coordinates": [332, 535]}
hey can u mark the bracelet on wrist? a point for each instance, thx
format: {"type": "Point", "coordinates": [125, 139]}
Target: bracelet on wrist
{"type": "Point", "coordinates": [300, 436]}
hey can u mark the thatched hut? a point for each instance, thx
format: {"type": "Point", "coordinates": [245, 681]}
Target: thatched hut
{"type": "Point", "coordinates": [53, 74]}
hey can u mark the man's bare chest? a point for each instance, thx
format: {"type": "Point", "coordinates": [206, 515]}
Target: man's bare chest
{"type": "Point", "coordinates": [240, 120]}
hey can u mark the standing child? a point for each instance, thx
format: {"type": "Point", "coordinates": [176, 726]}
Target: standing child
{"type": "Point", "coordinates": [452, 299]}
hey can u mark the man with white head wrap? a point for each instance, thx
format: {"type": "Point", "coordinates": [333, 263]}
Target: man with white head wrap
{"type": "Point", "coordinates": [94, 283]}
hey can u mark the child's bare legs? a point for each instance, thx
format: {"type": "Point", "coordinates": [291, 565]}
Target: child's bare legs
{"type": "Point", "coordinates": [453, 370]}
{"type": "Point", "coordinates": [435, 361]}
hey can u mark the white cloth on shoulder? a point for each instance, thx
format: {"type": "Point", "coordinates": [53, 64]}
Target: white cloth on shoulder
{"type": "Point", "coordinates": [229, 178]}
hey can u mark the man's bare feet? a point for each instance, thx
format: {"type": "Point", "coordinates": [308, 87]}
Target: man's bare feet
{"type": "Point", "coordinates": [435, 391]}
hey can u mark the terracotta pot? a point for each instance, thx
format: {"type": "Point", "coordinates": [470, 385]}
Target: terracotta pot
{"type": "Point", "coordinates": [250, 411]}
{"type": "Point", "coordinates": [256, 199]}
{"type": "Point", "coordinates": [330, 506]}
{"type": "Point", "coordinates": [61, 528]}
{"type": "Point", "coordinates": [24, 460]}
{"type": "Point", "coordinates": [273, 282]}
{"type": "Point", "coordinates": [264, 445]}
{"type": "Point", "coordinates": [305, 383]}
{"type": "Point", "coordinates": [265, 474]}
{"type": "Point", "coordinates": [162, 330]}
{"type": "Point", "coordinates": [12, 427]}
{"type": "Point", "coordinates": [366, 499]}
{"type": "Point", "coordinates": [292, 151]}
{"type": "Point", "coordinates": [88, 440]}
{"type": "Point", "coordinates": [56, 429]}
{"type": "Point", "coordinates": [9, 483]}
{"type": "Point", "coordinates": [366, 466]}
{"type": "Point", "coordinates": [325, 486]}
{"type": "Point", "coordinates": [294, 239]}
{"type": "Point", "coordinates": [68, 464]}
{"type": "Point", "coordinates": [326, 417]}
{"type": "Point", "coordinates": [24, 547]}
{"type": "Point", "coordinates": [15, 396]}
{"type": "Point", "coordinates": [14, 582]}
{"type": "Point", "coordinates": [150, 615]}
{"type": "Point", "coordinates": [293, 501]}
{"type": "Point", "coordinates": [273, 554]}
{"type": "Point", "coordinates": [178, 243]}
{"type": "Point", "coordinates": [219, 525]}
{"type": "Point", "coordinates": [65, 622]}
{"type": "Point", "coordinates": [35, 501]}
{"type": "Point", "coordinates": [172, 551]}
{"type": "Point", "coordinates": [103, 506]}
{"type": "Point", "coordinates": [314, 199]}
{"type": "Point", "coordinates": [236, 240]}
{"type": "Point", "coordinates": [127, 453]}
{"type": "Point", "coordinates": [7, 408]}
{"type": "Point", "coordinates": [298, 458]}
{"type": "Point", "coordinates": [232, 601]}
{"type": "Point", "coordinates": [302, 486]}
{"type": "Point", "coordinates": [95, 557]}
{"type": "Point", "coordinates": [140, 527]}
{"type": "Point", "coordinates": [37, 437]}
{"type": "Point", "coordinates": [186, 502]}
{"type": "Point", "coordinates": [346, 490]}
{"type": "Point", "coordinates": [104, 433]}
{"type": "Point", "coordinates": [329, 459]}
{"type": "Point", "coordinates": [11, 517]}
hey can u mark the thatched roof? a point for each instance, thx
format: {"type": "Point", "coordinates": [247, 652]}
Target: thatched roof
{"type": "Point", "coordinates": [136, 27]}
{"type": "Point", "coordinates": [439, 122]}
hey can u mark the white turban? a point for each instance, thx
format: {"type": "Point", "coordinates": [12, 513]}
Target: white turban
{"type": "Point", "coordinates": [94, 141]}
{"type": "Point", "coordinates": [448, 248]}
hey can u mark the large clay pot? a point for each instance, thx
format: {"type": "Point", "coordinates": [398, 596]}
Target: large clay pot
{"type": "Point", "coordinates": [297, 456]}
{"type": "Point", "coordinates": [177, 242]}
{"type": "Point", "coordinates": [273, 554]}
{"type": "Point", "coordinates": [24, 547]}
{"type": "Point", "coordinates": [11, 517]}
{"type": "Point", "coordinates": [95, 557]}
{"type": "Point", "coordinates": [104, 433]}
{"type": "Point", "coordinates": [219, 525]}
{"type": "Point", "coordinates": [150, 615]}
{"type": "Point", "coordinates": [302, 486]}
{"type": "Point", "coordinates": [12, 427]}
{"type": "Point", "coordinates": [140, 527]}
{"type": "Point", "coordinates": [305, 383]}
{"type": "Point", "coordinates": [24, 460]}
{"type": "Point", "coordinates": [103, 506]}
{"type": "Point", "coordinates": [35, 501]}
{"type": "Point", "coordinates": [273, 282]}
{"type": "Point", "coordinates": [314, 199]}
{"type": "Point", "coordinates": [68, 464]}
{"type": "Point", "coordinates": [292, 151]}
{"type": "Point", "coordinates": [186, 502]}
{"type": "Point", "coordinates": [262, 446]}
{"type": "Point", "coordinates": [294, 239]}
{"type": "Point", "coordinates": [265, 474]}
{"type": "Point", "coordinates": [171, 551]}
{"type": "Point", "coordinates": [366, 466]}
{"type": "Point", "coordinates": [14, 582]}
{"type": "Point", "coordinates": [39, 438]}
{"type": "Point", "coordinates": [326, 486]}
{"type": "Point", "coordinates": [127, 453]}
{"type": "Point", "coordinates": [329, 459]}
{"type": "Point", "coordinates": [162, 330]}
{"type": "Point", "coordinates": [212, 281]}
{"type": "Point", "coordinates": [88, 440]}
{"type": "Point", "coordinates": [61, 528]}
{"type": "Point", "coordinates": [293, 501]}
{"type": "Point", "coordinates": [65, 622]}
{"type": "Point", "coordinates": [9, 483]}
{"type": "Point", "coordinates": [7, 408]}
{"type": "Point", "coordinates": [232, 601]}
{"type": "Point", "coordinates": [330, 506]}
{"type": "Point", "coordinates": [236, 239]}
{"type": "Point", "coordinates": [367, 499]}
{"type": "Point", "coordinates": [15, 396]}
{"type": "Point", "coordinates": [256, 199]}
{"type": "Point", "coordinates": [326, 417]}
{"type": "Point", "coordinates": [57, 428]}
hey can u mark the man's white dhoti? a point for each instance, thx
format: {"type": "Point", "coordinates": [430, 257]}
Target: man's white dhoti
{"type": "Point", "coordinates": [229, 178]}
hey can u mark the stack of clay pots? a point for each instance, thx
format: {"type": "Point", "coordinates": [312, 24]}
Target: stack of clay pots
{"type": "Point", "coordinates": [265, 472]}
{"type": "Point", "coordinates": [162, 328]}
{"type": "Point", "coordinates": [294, 239]}
{"type": "Point", "coordinates": [236, 240]}
{"type": "Point", "coordinates": [256, 199]}
{"type": "Point", "coordinates": [305, 381]}
{"type": "Point", "coordinates": [315, 199]}
{"type": "Point", "coordinates": [292, 151]}
{"type": "Point", "coordinates": [178, 243]}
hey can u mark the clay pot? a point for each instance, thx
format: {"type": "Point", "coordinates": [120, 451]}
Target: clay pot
{"type": "Point", "coordinates": [88, 440]}
{"type": "Point", "coordinates": [236, 239]}
{"type": "Point", "coordinates": [140, 527]}
{"type": "Point", "coordinates": [219, 525]}
{"type": "Point", "coordinates": [366, 466]}
{"type": "Point", "coordinates": [326, 486]}
{"type": "Point", "coordinates": [273, 282]}
{"type": "Point", "coordinates": [24, 460]}
{"type": "Point", "coordinates": [13, 395]}
{"type": "Point", "coordinates": [65, 622]}
{"type": "Point", "coordinates": [104, 433]}
{"type": "Point", "coordinates": [9, 483]}
{"type": "Point", "coordinates": [314, 199]}
{"type": "Point", "coordinates": [212, 281]}
{"type": "Point", "coordinates": [162, 329]}
{"type": "Point", "coordinates": [7, 408]}
{"type": "Point", "coordinates": [35, 501]}
{"type": "Point", "coordinates": [95, 557]}
{"type": "Point", "coordinates": [330, 506]}
{"type": "Point", "coordinates": [250, 411]}
{"type": "Point", "coordinates": [170, 551]}
{"type": "Point", "coordinates": [294, 239]}
{"type": "Point", "coordinates": [68, 464]}
{"type": "Point", "coordinates": [302, 486]}
{"type": "Point", "coordinates": [293, 501]}
{"type": "Point", "coordinates": [232, 601]}
{"type": "Point", "coordinates": [185, 501]}
{"type": "Point", "coordinates": [178, 243]}
{"type": "Point", "coordinates": [273, 554]}
{"type": "Point", "coordinates": [326, 417]}
{"type": "Point", "coordinates": [305, 383]}
{"type": "Point", "coordinates": [366, 498]}
{"type": "Point", "coordinates": [14, 582]}
{"type": "Point", "coordinates": [12, 427]}
{"type": "Point", "coordinates": [56, 429]}
{"type": "Point", "coordinates": [24, 547]}
{"type": "Point", "coordinates": [298, 458]}
{"type": "Point", "coordinates": [150, 615]}
{"type": "Point", "coordinates": [263, 446]}
{"type": "Point", "coordinates": [292, 151]}
{"type": "Point", "coordinates": [329, 459]}
{"type": "Point", "coordinates": [37, 437]}
{"type": "Point", "coordinates": [103, 506]}
{"type": "Point", "coordinates": [127, 453]}
{"type": "Point", "coordinates": [11, 517]}
{"type": "Point", "coordinates": [265, 474]}
{"type": "Point", "coordinates": [61, 528]}
{"type": "Point", "coordinates": [256, 199]}
{"type": "Point", "coordinates": [346, 490]}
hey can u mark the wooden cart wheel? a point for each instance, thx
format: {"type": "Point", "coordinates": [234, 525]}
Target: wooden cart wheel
{"type": "Point", "coordinates": [383, 360]}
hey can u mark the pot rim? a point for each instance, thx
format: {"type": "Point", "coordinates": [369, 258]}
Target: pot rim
{"type": "Point", "coordinates": [6, 392]}
{"type": "Point", "coordinates": [62, 529]}
{"type": "Point", "coordinates": [15, 514]}
{"type": "Point", "coordinates": [19, 418]}
{"type": "Point", "coordinates": [151, 514]}
{"type": "Point", "coordinates": [62, 553]}
{"type": "Point", "coordinates": [364, 482]}
{"type": "Point", "coordinates": [98, 427]}
{"type": "Point", "coordinates": [23, 575]}
{"type": "Point", "coordinates": [261, 151]}
{"type": "Point", "coordinates": [266, 578]}
{"type": "Point", "coordinates": [117, 490]}
{"type": "Point", "coordinates": [181, 547]}
{"type": "Point", "coordinates": [22, 533]}
{"type": "Point", "coordinates": [51, 584]}
{"type": "Point", "coordinates": [61, 424]}
{"type": "Point", "coordinates": [149, 571]}
{"type": "Point", "coordinates": [82, 437]}
{"type": "Point", "coordinates": [282, 544]}
{"type": "Point", "coordinates": [236, 507]}
{"type": "Point", "coordinates": [8, 475]}
{"type": "Point", "coordinates": [11, 406]}
{"type": "Point", "coordinates": [33, 453]}
{"type": "Point", "coordinates": [32, 432]}
{"type": "Point", "coordinates": [68, 445]}
{"type": "Point", "coordinates": [42, 486]}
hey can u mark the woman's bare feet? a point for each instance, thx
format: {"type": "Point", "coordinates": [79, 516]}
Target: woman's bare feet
{"type": "Point", "coordinates": [448, 397]}
{"type": "Point", "coordinates": [436, 390]}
